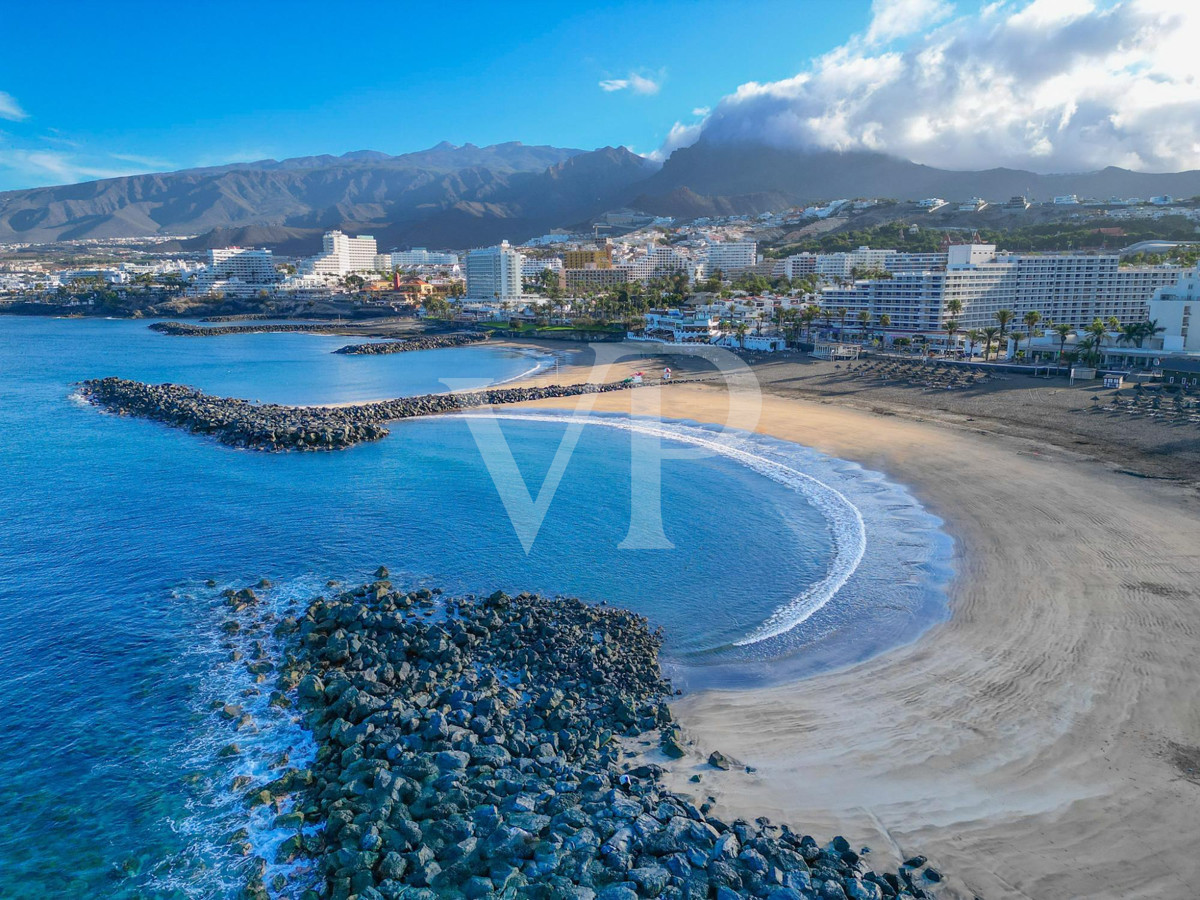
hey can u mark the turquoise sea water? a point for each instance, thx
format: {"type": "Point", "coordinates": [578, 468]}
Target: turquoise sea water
{"type": "Point", "coordinates": [112, 651]}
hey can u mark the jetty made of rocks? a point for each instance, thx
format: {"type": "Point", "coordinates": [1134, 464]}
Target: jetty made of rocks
{"type": "Point", "coordinates": [273, 427]}
{"type": "Point", "coordinates": [425, 342]}
{"type": "Point", "coordinates": [183, 329]}
{"type": "Point", "coordinates": [471, 748]}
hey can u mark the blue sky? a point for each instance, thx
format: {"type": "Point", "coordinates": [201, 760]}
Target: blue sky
{"type": "Point", "coordinates": [90, 90]}
{"type": "Point", "coordinates": [119, 87]}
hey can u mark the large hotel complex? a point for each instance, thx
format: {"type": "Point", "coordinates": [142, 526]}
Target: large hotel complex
{"type": "Point", "coordinates": [1071, 288]}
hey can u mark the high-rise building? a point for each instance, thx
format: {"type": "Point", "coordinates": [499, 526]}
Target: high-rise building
{"type": "Point", "coordinates": [494, 273]}
{"type": "Point", "coordinates": [591, 258]}
{"type": "Point", "coordinates": [342, 254]}
{"type": "Point", "coordinates": [253, 266]}
{"type": "Point", "coordinates": [1070, 288]}
{"type": "Point", "coordinates": [1173, 308]}
{"type": "Point", "coordinates": [237, 272]}
{"type": "Point", "coordinates": [731, 256]}
{"type": "Point", "coordinates": [419, 256]}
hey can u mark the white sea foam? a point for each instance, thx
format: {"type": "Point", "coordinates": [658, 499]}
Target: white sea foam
{"type": "Point", "coordinates": [847, 529]}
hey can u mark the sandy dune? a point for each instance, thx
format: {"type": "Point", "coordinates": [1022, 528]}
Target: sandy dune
{"type": "Point", "coordinates": [1031, 746]}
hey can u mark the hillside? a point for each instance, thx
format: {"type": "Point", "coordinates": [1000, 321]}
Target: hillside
{"type": "Point", "coordinates": [465, 196]}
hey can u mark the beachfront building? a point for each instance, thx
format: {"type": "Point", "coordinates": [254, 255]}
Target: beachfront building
{"type": "Point", "coordinates": [1072, 288]}
{"type": "Point", "coordinates": [1173, 308]}
{"type": "Point", "coordinates": [417, 256]}
{"type": "Point", "coordinates": [730, 256]}
{"type": "Point", "coordinates": [236, 272]}
{"type": "Point", "coordinates": [494, 273]}
{"type": "Point", "coordinates": [343, 255]}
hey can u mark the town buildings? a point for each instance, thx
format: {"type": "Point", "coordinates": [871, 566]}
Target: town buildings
{"type": "Point", "coordinates": [494, 273]}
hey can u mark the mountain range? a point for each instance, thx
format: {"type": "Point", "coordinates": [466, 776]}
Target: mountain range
{"type": "Point", "coordinates": [464, 196]}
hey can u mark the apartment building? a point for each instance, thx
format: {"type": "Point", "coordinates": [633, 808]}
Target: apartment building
{"type": "Point", "coordinates": [342, 254]}
{"type": "Point", "coordinates": [494, 273]}
{"type": "Point", "coordinates": [1070, 288]}
{"type": "Point", "coordinates": [730, 256]}
{"type": "Point", "coordinates": [417, 256]}
{"type": "Point", "coordinates": [1173, 307]}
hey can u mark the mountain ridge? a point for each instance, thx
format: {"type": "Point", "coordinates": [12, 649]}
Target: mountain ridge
{"type": "Point", "coordinates": [463, 196]}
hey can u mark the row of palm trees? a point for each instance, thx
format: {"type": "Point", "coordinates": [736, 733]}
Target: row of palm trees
{"type": "Point", "coordinates": [1091, 344]}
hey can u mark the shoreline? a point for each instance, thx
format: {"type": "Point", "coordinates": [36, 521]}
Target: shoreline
{"type": "Point", "coordinates": [491, 746]}
{"type": "Point", "coordinates": [1018, 742]}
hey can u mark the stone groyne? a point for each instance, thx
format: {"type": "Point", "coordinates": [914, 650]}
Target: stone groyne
{"type": "Point", "coordinates": [474, 748]}
{"type": "Point", "coordinates": [423, 342]}
{"type": "Point", "coordinates": [183, 329]}
{"type": "Point", "coordinates": [273, 427]}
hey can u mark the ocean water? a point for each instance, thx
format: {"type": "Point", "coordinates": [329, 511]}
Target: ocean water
{"type": "Point", "coordinates": [775, 562]}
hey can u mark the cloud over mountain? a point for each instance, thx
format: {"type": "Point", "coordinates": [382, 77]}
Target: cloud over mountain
{"type": "Point", "coordinates": [1048, 85]}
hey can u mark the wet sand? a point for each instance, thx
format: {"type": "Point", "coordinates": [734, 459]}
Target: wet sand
{"type": "Point", "coordinates": [1041, 743]}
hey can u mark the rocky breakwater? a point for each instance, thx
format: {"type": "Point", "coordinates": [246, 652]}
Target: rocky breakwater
{"type": "Point", "coordinates": [182, 329]}
{"type": "Point", "coordinates": [473, 748]}
{"type": "Point", "coordinates": [424, 342]}
{"type": "Point", "coordinates": [272, 427]}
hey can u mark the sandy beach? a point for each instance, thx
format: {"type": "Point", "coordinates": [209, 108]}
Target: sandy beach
{"type": "Point", "coordinates": [1045, 741]}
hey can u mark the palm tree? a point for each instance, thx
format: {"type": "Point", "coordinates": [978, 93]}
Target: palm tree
{"type": "Point", "coordinates": [1003, 318]}
{"type": "Point", "coordinates": [1031, 320]}
{"type": "Point", "coordinates": [951, 326]}
{"type": "Point", "coordinates": [842, 313]}
{"type": "Point", "coordinates": [1097, 332]}
{"type": "Point", "coordinates": [1017, 337]}
{"type": "Point", "coordinates": [989, 337]}
{"type": "Point", "coordinates": [1149, 330]}
{"type": "Point", "coordinates": [954, 307]}
{"type": "Point", "coordinates": [885, 322]}
{"type": "Point", "coordinates": [1131, 334]}
{"type": "Point", "coordinates": [827, 315]}
{"type": "Point", "coordinates": [807, 316]}
{"type": "Point", "coordinates": [864, 319]}
{"type": "Point", "coordinates": [1063, 330]}
{"type": "Point", "coordinates": [740, 330]}
{"type": "Point", "coordinates": [974, 336]}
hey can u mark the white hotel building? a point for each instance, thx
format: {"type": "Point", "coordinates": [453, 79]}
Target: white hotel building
{"type": "Point", "coordinates": [730, 256]}
{"type": "Point", "coordinates": [1070, 288]}
{"type": "Point", "coordinates": [237, 272]}
{"type": "Point", "coordinates": [1176, 308]}
{"type": "Point", "coordinates": [417, 256]}
{"type": "Point", "coordinates": [494, 273]}
{"type": "Point", "coordinates": [342, 254]}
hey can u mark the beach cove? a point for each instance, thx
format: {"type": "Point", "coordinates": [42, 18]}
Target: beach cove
{"type": "Point", "coordinates": [116, 634]}
{"type": "Point", "coordinates": [1042, 726]}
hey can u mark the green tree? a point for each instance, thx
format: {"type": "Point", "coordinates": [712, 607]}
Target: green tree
{"type": "Point", "coordinates": [989, 337]}
{"type": "Point", "coordinates": [1064, 331]}
{"type": "Point", "coordinates": [951, 326]}
{"type": "Point", "coordinates": [1004, 318]}
{"type": "Point", "coordinates": [974, 336]}
{"type": "Point", "coordinates": [864, 319]}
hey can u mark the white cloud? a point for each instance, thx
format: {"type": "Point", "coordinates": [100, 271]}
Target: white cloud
{"type": "Point", "coordinates": [10, 109]}
{"type": "Point", "coordinates": [149, 162]}
{"type": "Point", "coordinates": [49, 167]}
{"type": "Point", "coordinates": [1050, 85]}
{"type": "Point", "coordinates": [701, 111]}
{"type": "Point", "coordinates": [891, 19]}
{"type": "Point", "coordinates": [638, 84]}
